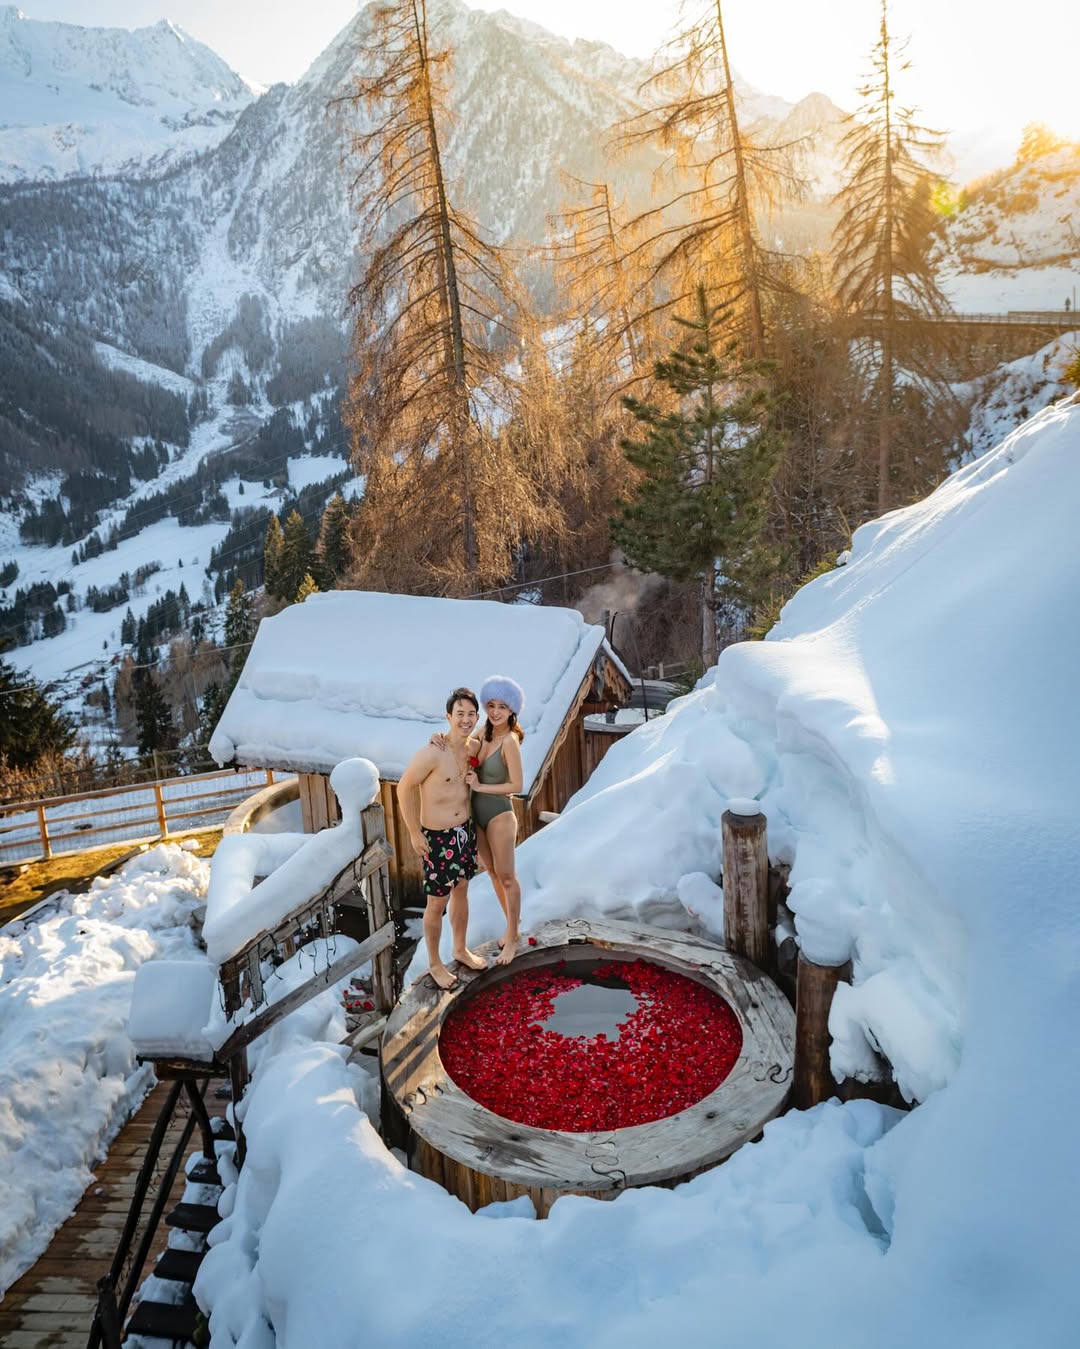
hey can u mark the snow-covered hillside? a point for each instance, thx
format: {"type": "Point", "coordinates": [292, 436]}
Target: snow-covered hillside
{"type": "Point", "coordinates": [909, 728]}
{"type": "Point", "coordinates": [1015, 241]}
{"type": "Point", "coordinates": [76, 101]}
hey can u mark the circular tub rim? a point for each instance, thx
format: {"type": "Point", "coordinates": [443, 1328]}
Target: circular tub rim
{"type": "Point", "coordinates": [450, 1121]}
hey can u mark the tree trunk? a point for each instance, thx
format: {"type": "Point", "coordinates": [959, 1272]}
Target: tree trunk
{"type": "Point", "coordinates": [743, 220]}
{"type": "Point", "coordinates": [709, 647]}
{"type": "Point", "coordinates": [888, 318]}
{"type": "Point", "coordinates": [453, 308]}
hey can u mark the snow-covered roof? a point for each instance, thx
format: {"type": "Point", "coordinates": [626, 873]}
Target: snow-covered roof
{"type": "Point", "coordinates": [355, 672]}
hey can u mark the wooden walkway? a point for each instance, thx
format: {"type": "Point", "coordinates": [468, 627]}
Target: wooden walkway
{"type": "Point", "coordinates": [53, 1303]}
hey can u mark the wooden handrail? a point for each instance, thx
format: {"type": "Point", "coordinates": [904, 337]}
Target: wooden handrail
{"type": "Point", "coordinates": [348, 878]}
{"type": "Point", "coordinates": [262, 1021]}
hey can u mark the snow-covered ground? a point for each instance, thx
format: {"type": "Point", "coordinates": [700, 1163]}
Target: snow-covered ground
{"type": "Point", "coordinates": [68, 1078]}
{"type": "Point", "coordinates": [910, 731]}
{"type": "Point", "coordinates": [1015, 390]}
{"type": "Point", "coordinates": [1017, 289]}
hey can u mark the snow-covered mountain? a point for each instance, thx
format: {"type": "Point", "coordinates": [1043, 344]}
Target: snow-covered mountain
{"type": "Point", "coordinates": [78, 101]}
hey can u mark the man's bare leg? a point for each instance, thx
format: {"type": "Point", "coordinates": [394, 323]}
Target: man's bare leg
{"type": "Point", "coordinates": [459, 922]}
{"type": "Point", "coordinates": [433, 916]}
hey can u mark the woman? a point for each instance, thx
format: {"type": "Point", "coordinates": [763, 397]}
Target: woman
{"type": "Point", "coordinates": [494, 778]}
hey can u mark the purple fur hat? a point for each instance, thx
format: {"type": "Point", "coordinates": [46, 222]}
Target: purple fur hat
{"type": "Point", "coordinates": [504, 690]}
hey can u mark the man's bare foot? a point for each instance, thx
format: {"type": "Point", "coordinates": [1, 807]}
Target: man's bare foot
{"type": "Point", "coordinates": [442, 977]}
{"type": "Point", "coordinates": [470, 959]}
{"type": "Point", "coordinates": [508, 951]}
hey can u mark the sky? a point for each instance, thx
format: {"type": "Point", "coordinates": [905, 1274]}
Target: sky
{"type": "Point", "coordinates": [975, 75]}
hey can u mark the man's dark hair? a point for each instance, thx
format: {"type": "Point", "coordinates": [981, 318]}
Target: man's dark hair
{"type": "Point", "coordinates": [461, 696]}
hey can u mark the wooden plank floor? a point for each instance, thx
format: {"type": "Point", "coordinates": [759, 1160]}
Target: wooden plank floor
{"type": "Point", "coordinates": [53, 1303]}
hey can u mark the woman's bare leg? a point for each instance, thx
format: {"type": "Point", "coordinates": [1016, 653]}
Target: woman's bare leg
{"type": "Point", "coordinates": [484, 849]}
{"type": "Point", "coordinates": [501, 838]}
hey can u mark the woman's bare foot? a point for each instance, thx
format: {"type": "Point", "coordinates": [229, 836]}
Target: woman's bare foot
{"type": "Point", "coordinates": [442, 977]}
{"type": "Point", "coordinates": [509, 949]}
{"type": "Point", "coordinates": [470, 959]}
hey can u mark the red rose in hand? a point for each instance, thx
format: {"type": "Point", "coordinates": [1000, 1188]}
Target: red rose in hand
{"type": "Point", "coordinates": [474, 761]}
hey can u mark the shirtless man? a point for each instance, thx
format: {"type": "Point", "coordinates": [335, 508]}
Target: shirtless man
{"type": "Point", "coordinates": [435, 805]}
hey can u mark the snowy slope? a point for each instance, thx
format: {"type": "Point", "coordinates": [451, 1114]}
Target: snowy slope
{"type": "Point", "coordinates": [76, 101]}
{"type": "Point", "coordinates": [910, 731]}
{"type": "Point", "coordinates": [1015, 242]}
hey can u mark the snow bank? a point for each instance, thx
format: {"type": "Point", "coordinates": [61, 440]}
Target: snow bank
{"type": "Point", "coordinates": [353, 672]}
{"type": "Point", "coordinates": [68, 1078]}
{"type": "Point", "coordinates": [324, 1218]}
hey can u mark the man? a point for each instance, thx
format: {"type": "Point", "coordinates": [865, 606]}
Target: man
{"type": "Point", "coordinates": [435, 804]}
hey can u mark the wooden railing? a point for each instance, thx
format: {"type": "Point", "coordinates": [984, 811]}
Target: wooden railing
{"type": "Point", "coordinates": [365, 883]}
{"type": "Point", "coordinates": [32, 830]}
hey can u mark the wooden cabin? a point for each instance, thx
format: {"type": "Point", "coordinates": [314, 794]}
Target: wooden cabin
{"type": "Point", "coordinates": [359, 673]}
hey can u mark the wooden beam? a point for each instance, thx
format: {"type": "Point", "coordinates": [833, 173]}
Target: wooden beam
{"type": "Point", "coordinates": [318, 983]}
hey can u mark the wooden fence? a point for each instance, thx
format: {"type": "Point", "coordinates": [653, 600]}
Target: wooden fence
{"type": "Point", "coordinates": [34, 830]}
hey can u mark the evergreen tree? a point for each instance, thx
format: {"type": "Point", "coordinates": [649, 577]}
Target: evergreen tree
{"type": "Point", "coordinates": [213, 704]}
{"type": "Point", "coordinates": [296, 557]}
{"type": "Point", "coordinates": [334, 553]}
{"type": "Point", "coordinates": [706, 464]}
{"type": "Point", "coordinates": [273, 549]}
{"type": "Point", "coordinates": [31, 724]}
{"type": "Point", "coordinates": [153, 715]}
{"type": "Point", "coordinates": [240, 627]}
{"type": "Point", "coordinates": [882, 240]}
{"type": "Point", "coordinates": [307, 587]}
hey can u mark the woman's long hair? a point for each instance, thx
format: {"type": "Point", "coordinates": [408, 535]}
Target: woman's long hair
{"type": "Point", "coordinates": [512, 725]}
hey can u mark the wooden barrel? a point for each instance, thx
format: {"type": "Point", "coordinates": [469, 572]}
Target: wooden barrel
{"type": "Point", "coordinates": [482, 1157]}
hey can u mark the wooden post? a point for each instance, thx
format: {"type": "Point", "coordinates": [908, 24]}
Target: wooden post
{"type": "Point", "coordinates": [813, 1079]}
{"type": "Point", "coordinates": [43, 826]}
{"type": "Point", "coordinates": [377, 888]}
{"type": "Point", "coordinates": [746, 882]}
{"type": "Point", "coordinates": [163, 824]}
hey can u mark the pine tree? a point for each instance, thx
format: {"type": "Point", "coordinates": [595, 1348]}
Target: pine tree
{"type": "Point", "coordinates": [273, 548]}
{"type": "Point", "coordinates": [435, 315]}
{"type": "Point", "coordinates": [721, 179]}
{"type": "Point", "coordinates": [296, 557]}
{"type": "Point", "coordinates": [31, 724]}
{"type": "Point", "coordinates": [882, 240]}
{"type": "Point", "coordinates": [307, 587]}
{"type": "Point", "coordinates": [240, 628]}
{"type": "Point", "coordinates": [706, 464]}
{"type": "Point", "coordinates": [155, 728]}
{"type": "Point", "coordinates": [334, 552]}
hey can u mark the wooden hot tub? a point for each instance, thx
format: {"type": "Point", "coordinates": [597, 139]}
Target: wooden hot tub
{"type": "Point", "coordinates": [483, 1157]}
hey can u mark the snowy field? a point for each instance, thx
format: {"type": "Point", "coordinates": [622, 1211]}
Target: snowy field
{"type": "Point", "coordinates": [68, 1077]}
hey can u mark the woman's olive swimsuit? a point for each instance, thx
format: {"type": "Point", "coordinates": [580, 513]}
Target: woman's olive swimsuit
{"type": "Point", "coordinates": [486, 805]}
